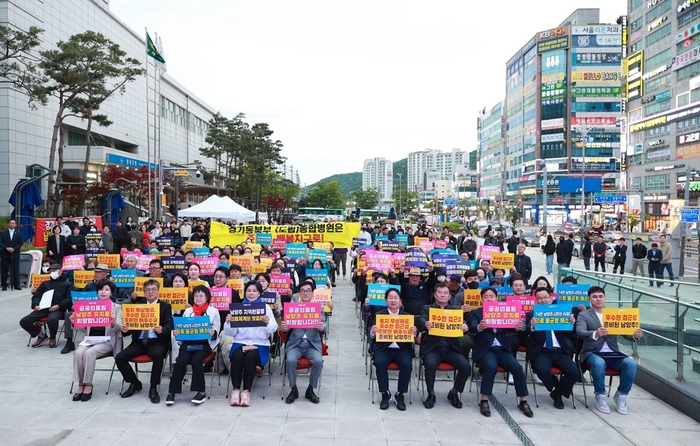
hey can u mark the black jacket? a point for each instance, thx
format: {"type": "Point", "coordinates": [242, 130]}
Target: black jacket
{"type": "Point", "coordinates": [61, 293]}
{"type": "Point", "coordinates": [78, 241]}
{"type": "Point", "coordinates": [484, 340]}
{"type": "Point", "coordinates": [537, 340]}
{"type": "Point", "coordinates": [166, 321]}
{"type": "Point", "coordinates": [379, 346]}
{"type": "Point", "coordinates": [620, 251]}
{"type": "Point", "coordinates": [428, 342]}
{"type": "Point", "coordinates": [639, 251]}
{"type": "Point", "coordinates": [513, 244]}
{"type": "Point", "coordinates": [523, 265]}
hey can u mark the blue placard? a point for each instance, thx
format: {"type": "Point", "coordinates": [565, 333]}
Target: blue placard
{"type": "Point", "coordinates": [263, 239]}
{"type": "Point", "coordinates": [377, 291]}
{"type": "Point", "coordinates": [83, 296]}
{"type": "Point", "coordinates": [388, 246]}
{"type": "Point", "coordinates": [458, 267]}
{"type": "Point", "coordinates": [609, 198]}
{"type": "Point", "coordinates": [320, 276]}
{"type": "Point", "coordinates": [268, 297]}
{"type": "Point", "coordinates": [319, 254]}
{"type": "Point", "coordinates": [415, 257]}
{"type": "Point", "coordinates": [572, 293]}
{"type": "Point", "coordinates": [503, 291]}
{"type": "Point", "coordinates": [553, 317]}
{"type": "Point", "coordinates": [401, 238]}
{"type": "Point", "coordinates": [195, 328]}
{"type": "Point", "coordinates": [201, 252]}
{"type": "Point", "coordinates": [295, 250]}
{"type": "Point", "coordinates": [380, 238]}
{"type": "Point", "coordinates": [164, 242]}
{"type": "Point", "coordinates": [173, 264]}
{"type": "Point", "coordinates": [441, 261]}
{"type": "Point", "coordinates": [123, 278]}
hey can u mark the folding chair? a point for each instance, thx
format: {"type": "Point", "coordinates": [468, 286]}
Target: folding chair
{"type": "Point", "coordinates": [143, 359]}
{"type": "Point", "coordinates": [114, 365]}
{"type": "Point", "coordinates": [392, 367]}
{"type": "Point", "coordinates": [553, 371]}
{"type": "Point", "coordinates": [585, 368]}
{"type": "Point", "coordinates": [442, 367]}
{"type": "Point", "coordinates": [61, 328]}
{"type": "Point", "coordinates": [265, 372]}
{"type": "Point", "coordinates": [211, 357]}
{"type": "Point", "coordinates": [303, 364]}
{"type": "Point", "coordinates": [476, 370]}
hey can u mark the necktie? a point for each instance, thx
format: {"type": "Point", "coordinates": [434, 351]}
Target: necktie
{"type": "Point", "coordinates": [549, 342]}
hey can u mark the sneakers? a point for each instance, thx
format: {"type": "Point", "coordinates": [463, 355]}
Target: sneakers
{"type": "Point", "coordinates": [40, 340]}
{"type": "Point", "coordinates": [510, 380]}
{"type": "Point", "coordinates": [536, 378]}
{"type": "Point", "coordinates": [621, 401]}
{"type": "Point", "coordinates": [199, 398]}
{"type": "Point", "coordinates": [245, 398]}
{"type": "Point", "coordinates": [400, 403]}
{"type": "Point", "coordinates": [170, 399]}
{"type": "Point", "coordinates": [386, 398]}
{"type": "Point", "coordinates": [601, 402]}
{"type": "Point", "coordinates": [236, 397]}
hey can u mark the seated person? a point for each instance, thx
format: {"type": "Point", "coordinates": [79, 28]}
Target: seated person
{"type": "Point", "coordinates": [547, 349]}
{"type": "Point", "coordinates": [250, 349]}
{"type": "Point", "coordinates": [85, 357]}
{"type": "Point", "coordinates": [304, 343]}
{"type": "Point", "coordinates": [154, 343]}
{"type": "Point", "coordinates": [492, 349]}
{"type": "Point", "coordinates": [466, 342]}
{"type": "Point", "coordinates": [60, 303]}
{"type": "Point", "coordinates": [400, 353]}
{"type": "Point", "coordinates": [193, 352]}
{"type": "Point", "coordinates": [600, 352]}
{"type": "Point", "coordinates": [437, 349]}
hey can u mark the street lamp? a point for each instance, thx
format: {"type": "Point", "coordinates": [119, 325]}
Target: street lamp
{"type": "Point", "coordinates": [400, 177]}
{"type": "Point", "coordinates": [174, 167]}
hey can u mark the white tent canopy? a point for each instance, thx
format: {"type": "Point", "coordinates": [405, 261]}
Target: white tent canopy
{"type": "Point", "coordinates": [219, 207]}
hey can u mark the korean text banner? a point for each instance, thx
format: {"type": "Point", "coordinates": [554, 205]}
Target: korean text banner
{"type": "Point", "coordinates": [621, 321]}
{"type": "Point", "coordinates": [247, 315]}
{"type": "Point", "coordinates": [340, 233]}
{"type": "Point", "coordinates": [92, 313]}
{"type": "Point", "coordinates": [376, 293]}
{"type": "Point", "coordinates": [44, 228]}
{"type": "Point", "coordinates": [553, 317]}
{"type": "Point", "coordinates": [501, 314]}
{"type": "Point", "coordinates": [447, 323]}
{"type": "Point", "coordinates": [394, 328]}
{"type": "Point", "coordinates": [141, 316]}
{"type": "Point", "coordinates": [194, 328]}
{"type": "Point", "coordinates": [574, 293]}
{"type": "Point", "coordinates": [302, 314]}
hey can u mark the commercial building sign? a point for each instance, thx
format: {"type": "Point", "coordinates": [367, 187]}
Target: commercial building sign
{"type": "Point", "coordinates": [597, 41]}
{"type": "Point", "coordinates": [656, 97]}
{"type": "Point", "coordinates": [596, 58]}
{"type": "Point", "coordinates": [687, 33]}
{"type": "Point", "coordinates": [655, 72]}
{"type": "Point", "coordinates": [553, 39]}
{"type": "Point", "coordinates": [687, 112]}
{"type": "Point", "coordinates": [596, 92]}
{"type": "Point", "coordinates": [595, 76]}
{"type": "Point", "coordinates": [656, 23]}
{"type": "Point", "coordinates": [687, 138]}
{"type": "Point", "coordinates": [624, 38]}
{"type": "Point", "coordinates": [685, 6]}
{"type": "Point", "coordinates": [635, 71]}
{"type": "Point", "coordinates": [635, 115]}
{"type": "Point", "coordinates": [691, 151]}
{"type": "Point", "coordinates": [686, 58]}
{"type": "Point", "coordinates": [652, 156]}
{"type": "Point", "coordinates": [549, 124]}
{"type": "Point", "coordinates": [596, 29]}
{"type": "Point", "coordinates": [593, 121]}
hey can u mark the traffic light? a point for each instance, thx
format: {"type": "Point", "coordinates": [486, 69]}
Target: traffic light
{"type": "Point", "coordinates": [520, 200]}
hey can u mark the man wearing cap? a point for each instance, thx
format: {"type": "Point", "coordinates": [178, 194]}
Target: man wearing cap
{"type": "Point", "coordinates": [455, 285]}
{"type": "Point", "coordinates": [415, 292]}
{"type": "Point", "coordinates": [58, 288]}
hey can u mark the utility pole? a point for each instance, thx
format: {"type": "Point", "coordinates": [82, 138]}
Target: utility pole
{"type": "Point", "coordinates": [686, 203]}
{"type": "Point", "coordinates": [544, 196]}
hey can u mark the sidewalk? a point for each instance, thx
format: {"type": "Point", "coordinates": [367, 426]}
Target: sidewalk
{"type": "Point", "coordinates": [37, 408]}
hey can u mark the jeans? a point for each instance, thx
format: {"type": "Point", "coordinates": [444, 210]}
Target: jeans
{"type": "Point", "coordinates": [627, 367]}
{"type": "Point", "coordinates": [489, 367]}
{"type": "Point", "coordinates": [549, 261]}
{"type": "Point", "coordinates": [668, 267]}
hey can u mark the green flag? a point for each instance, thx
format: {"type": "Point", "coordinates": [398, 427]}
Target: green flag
{"type": "Point", "coordinates": [152, 51]}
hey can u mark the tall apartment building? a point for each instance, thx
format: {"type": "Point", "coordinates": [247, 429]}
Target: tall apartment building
{"type": "Point", "coordinates": [491, 130]}
{"type": "Point", "coordinates": [378, 173]}
{"type": "Point", "coordinates": [563, 108]}
{"type": "Point", "coordinates": [437, 162]}
{"type": "Point", "coordinates": [663, 106]}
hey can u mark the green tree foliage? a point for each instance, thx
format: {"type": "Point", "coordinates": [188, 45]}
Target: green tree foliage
{"type": "Point", "coordinates": [513, 214]}
{"type": "Point", "coordinates": [366, 199]}
{"type": "Point", "coordinates": [324, 195]}
{"type": "Point", "coordinates": [81, 73]}
{"type": "Point", "coordinates": [17, 61]}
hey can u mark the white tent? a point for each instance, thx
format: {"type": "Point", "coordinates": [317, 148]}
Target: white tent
{"type": "Point", "coordinates": [219, 207]}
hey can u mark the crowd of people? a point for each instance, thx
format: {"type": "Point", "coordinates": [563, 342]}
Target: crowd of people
{"type": "Point", "coordinates": [442, 267]}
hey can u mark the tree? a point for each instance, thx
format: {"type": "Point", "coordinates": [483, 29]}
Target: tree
{"type": "Point", "coordinates": [82, 73]}
{"type": "Point", "coordinates": [513, 214]}
{"type": "Point", "coordinates": [366, 199]}
{"type": "Point", "coordinates": [17, 64]}
{"type": "Point", "coordinates": [324, 195]}
{"type": "Point", "coordinates": [409, 201]}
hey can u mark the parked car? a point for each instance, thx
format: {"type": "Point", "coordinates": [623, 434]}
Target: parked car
{"type": "Point", "coordinates": [611, 236]}
{"type": "Point", "coordinates": [609, 253]}
{"type": "Point", "coordinates": [531, 240]}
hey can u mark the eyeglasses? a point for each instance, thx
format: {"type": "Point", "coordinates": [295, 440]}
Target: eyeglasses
{"type": "Point", "coordinates": [154, 267]}
{"type": "Point", "coordinates": [305, 291]}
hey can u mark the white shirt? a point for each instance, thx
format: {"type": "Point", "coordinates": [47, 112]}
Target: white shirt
{"type": "Point", "coordinates": [605, 348]}
{"type": "Point", "coordinates": [393, 344]}
{"type": "Point", "coordinates": [12, 233]}
{"type": "Point", "coordinates": [151, 333]}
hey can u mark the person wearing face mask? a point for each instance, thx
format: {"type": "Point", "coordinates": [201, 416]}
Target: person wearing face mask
{"type": "Point", "coordinates": [471, 278]}
{"type": "Point", "coordinates": [481, 274]}
{"type": "Point", "coordinates": [60, 303]}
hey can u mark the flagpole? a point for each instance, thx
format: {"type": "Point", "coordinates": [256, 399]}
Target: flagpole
{"type": "Point", "coordinates": [159, 202]}
{"type": "Point", "coordinates": [148, 135]}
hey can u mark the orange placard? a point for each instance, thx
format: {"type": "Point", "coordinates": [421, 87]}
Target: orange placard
{"type": "Point", "coordinates": [82, 278]}
{"type": "Point", "coordinates": [176, 297]}
{"type": "Point", "coordinates": [141, 316]}
{"type": "Point", "coordinates": [38, 279]}
{"type": "Point", "coordinates": [113, 261]}
{"type": "Point", "coordinates": [394, 328]}
{"type": "Point", "coordinates": [140, 280]}
{"type": "Point", "coordinates": [237, 285]}
{"type": "Point", "coordinates": [245, 262]}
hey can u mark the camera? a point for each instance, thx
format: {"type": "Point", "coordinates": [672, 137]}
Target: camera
{"type": "Point", "coordinates": [198, 173]}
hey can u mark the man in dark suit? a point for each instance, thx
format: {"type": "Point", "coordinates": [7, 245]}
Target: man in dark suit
{"type": "Point", "coordinates": [600, 352]}
{"type": "Point", "coordinates": [304, 343]}
{"type": "Point", "coordinates": [492, 349]}
{"type": "Point", "coordinates": [385, 353]}
{"type": "Point", "coordinates": [10, 245]}
{"type": "Point", "coordinates": [547, 349]}
{"type": "Point", "coordinates": [437, 349]}
{"type": "Point", "coordinates": [154, 343]}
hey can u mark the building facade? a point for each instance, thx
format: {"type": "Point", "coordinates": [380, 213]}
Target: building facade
{"type": "Point", "coordinates": [491, 128]}
{"type": "Point", "coordinates": [149, 115]}
{"type": "Point", "coordinates": [440, 165]}
{"type": "Point", "coordinates": [378, 173]}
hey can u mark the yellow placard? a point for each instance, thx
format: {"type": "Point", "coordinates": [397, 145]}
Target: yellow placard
{"type": "Point", "coordinates": [473, 299]}
{"type": "Point", "coordinates": [176, 297]}
{"type": "Point", "coordinates": [394, 328]}
{"type": "Point", "coordinates": [140, 280]}
{"type": "Point", "coordinates": [503, 261]}
{"type": "Point", "coordinates": [340, 233]}
{"type": "Point", "coordinates": [113, 261]}
{"type": "Point", "coordinates": [258, 268]}
{"type": "Point", "coordinates": [82, 278]}
{"type": "Point", "coordinates": [360, 264]}
{"type": "Point", "coordinates": [323, 295]}
{"type": "Point", "coordinates": [194, 283]}
{"type": "Point", "coordinates": [621, 321]}
{"type": "Point", "coordinates": [38, 279]}
{"type": "Point", "coordinates": [323, 245]}
{"type": "Point", "coordinates": [266, 261]}
{"type": "Point", "coordinates": [245, 262]}
{"type": "Point", "coordinates": [141, 316]}
{"type": "Point", "coordinates": [255, 247]}
{"type": "Point", "coordinates": [190, 244]}
{"type": "Point", "coordinates": [237, 285]}
{"type": "Point", "coordinates": [446, 323]}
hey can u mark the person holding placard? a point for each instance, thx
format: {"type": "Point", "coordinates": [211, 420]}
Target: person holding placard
{"type": "Point", "coordinates": [385, 353]}
{"type": "Point", "coordinates": [491, 350]}
{"type": "Point", "coordinates": [436, 349]}
{"type": "Point", "coordinates": [600, 351]}
{"type": "Point", "coordinates": [551, 348]}
{"type": "Point", "coordinates": [416, 292]}
{"type": "Point", "coordinates": [264, 280]}
{"type": "Point", "coordinates": [86, 355]}
{"type": "Point", "coordinates": [154, 343]}
{"type": "Point", "coordinates": [193, 352]}
{"type": "Point", "coordinates": [304, 343]}
{"type": "Point", "coordinates": [471, 279]}
{"type": "Point", "coordinates": [250, 349]}
{"type": "Point", "coordinates": [51, 300]}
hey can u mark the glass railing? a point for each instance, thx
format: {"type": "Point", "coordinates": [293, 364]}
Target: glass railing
{"type": "Point", "coordinates": [670, 320]}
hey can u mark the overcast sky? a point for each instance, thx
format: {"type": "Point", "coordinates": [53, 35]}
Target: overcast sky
{"type": "Point", "coordinates": [341, 81]}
